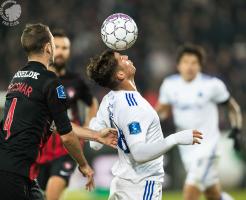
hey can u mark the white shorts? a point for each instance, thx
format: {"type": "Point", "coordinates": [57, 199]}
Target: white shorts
{"type": "Point", "coordinates": [203, 173]}
{"type": "Point", "coordinates": [122, 189]}
{"type": "Point", "coordinates": [201, 165]}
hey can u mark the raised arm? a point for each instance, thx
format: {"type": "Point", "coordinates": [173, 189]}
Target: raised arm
{"type": "Point", "coordinates": [143, 152]}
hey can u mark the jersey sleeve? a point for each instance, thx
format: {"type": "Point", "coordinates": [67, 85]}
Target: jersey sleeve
{"type": "Point", "coordinates": [84, 93]}
{"type": "Point", "coordinates": [220, 93]}
{"type": "Point", "coordinates": [56, 100]}
{"type": "Point", "coordinates": [164, 94]}
{"type": "Point", "coordinates": [101, 120]}
{"type": "Point", "coordinates": [135, 124]}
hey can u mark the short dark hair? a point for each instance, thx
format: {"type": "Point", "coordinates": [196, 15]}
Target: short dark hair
{"type": "Point", "coordinates": [102, 69]}
{"type": "Point", "coordinates": [196, 50]}
{"type": "Point", "coordinates": [59, 33]}
{"type": "Point", "coordinates": [34, 37]}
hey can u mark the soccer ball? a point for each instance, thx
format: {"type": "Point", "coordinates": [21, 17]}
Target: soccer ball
{"type": "Point", "coordinates": [119, 31]}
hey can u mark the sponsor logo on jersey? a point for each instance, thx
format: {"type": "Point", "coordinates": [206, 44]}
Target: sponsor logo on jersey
{"type": "Point", "coordinates": [61, 92]}
{"type": "Point", "coordinates": [26, 74]}
{"type": "Point", "coordinates": [134, 128]}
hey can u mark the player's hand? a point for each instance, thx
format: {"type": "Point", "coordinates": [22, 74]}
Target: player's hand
{"type": "Point", "coordinates": [108, 136]}
{"type": "Point", "coordinates": [235, 135]}
{"type": "Point", "coordinates": [88, 173]}
{"type": "Point", "coordinates": [188, 137]}
{"type": "Point", "coordinates": [197, 136]}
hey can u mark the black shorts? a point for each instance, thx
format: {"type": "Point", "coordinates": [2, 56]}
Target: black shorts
{"type": "Point", "coordinates": [62, 167]}
{"type": "Point", "coordinates": [36, 192]}
{"type": "Point", "coordinates": [14, 186]}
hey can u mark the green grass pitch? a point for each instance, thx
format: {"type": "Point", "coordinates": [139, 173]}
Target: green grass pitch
{"type": "Point", "coordinates": [102, 195]}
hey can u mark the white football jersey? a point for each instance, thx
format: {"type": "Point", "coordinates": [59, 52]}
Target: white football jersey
{"type": "Point", "coordinates": [194, 106]}
{"type": "Point", "coordinates": [136, 121]}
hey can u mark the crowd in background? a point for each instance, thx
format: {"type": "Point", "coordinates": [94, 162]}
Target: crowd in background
{"type": "Point", "coordinates": [219, 26]}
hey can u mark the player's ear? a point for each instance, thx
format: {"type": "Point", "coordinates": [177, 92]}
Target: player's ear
{"type": "Point", "coordinates": [120, 75]}
{"type": "Point", "coordinates": [48, 48]}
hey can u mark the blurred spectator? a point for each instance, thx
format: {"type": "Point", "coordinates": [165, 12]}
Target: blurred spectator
{"type": "Point", "coordinates": [219, 26]}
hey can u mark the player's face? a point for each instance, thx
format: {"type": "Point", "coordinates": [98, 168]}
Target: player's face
{"type": "Point", "coordinates": [62, 54]}
{"type": "Point", "coordinates": [125, 65]}
{"type": "Point", "coordinates": [189, 66]}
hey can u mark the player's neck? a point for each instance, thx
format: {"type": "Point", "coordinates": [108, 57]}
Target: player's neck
{"type": "Point", "coordinates": [39, 58]}
{"type": "Point", "coordinates": [58, 73]}
{"type": "Point", "coordinates": [128, 85]}
{"type": "Point", "coordinates": [189, 79]}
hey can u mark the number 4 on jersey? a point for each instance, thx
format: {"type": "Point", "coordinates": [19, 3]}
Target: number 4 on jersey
{"type": "Point", "coordinates": [9, 118]}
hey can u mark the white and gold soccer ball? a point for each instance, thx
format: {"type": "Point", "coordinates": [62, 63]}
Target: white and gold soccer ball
{"type": "Point", "coordinates": [119, 31]}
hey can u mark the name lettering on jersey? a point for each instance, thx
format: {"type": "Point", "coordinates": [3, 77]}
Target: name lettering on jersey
{"type": "Point", "coordinates": [134, 128]}
{"type": "Point", "coordinates": [20, 87]}
{"type": "Point", "coordinates": [61, 94]}
{"type": "Point", "coordinates": [130, 99]}
{"type": "Point", "coordinates": [26, 74]}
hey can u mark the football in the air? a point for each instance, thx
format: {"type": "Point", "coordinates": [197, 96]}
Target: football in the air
{"type": "Point", "coordinates": [119, 31]}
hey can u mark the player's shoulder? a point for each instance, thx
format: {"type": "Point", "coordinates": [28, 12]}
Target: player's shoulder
{"type": "Point", "coordinates": [124, 99]}
{"type": "Point", "coordinates": [206, 77]}
{"type": "Point", "coordinates": [173, 77]}
{"type": "Point", "coordinates": [104, 100]}
{"type": "Point", "coordinates": [50, 81]}
{"type": "Point", "coordinates": [129, 99]}
{"type": "Point", "coordinates": [50, 76]}
{"type": "Point", "coordinates": [212, 80]}
{"type": "Point", "coordinates": [170, 82]}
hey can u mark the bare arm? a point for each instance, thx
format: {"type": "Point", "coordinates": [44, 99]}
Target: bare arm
{"type": "Point", "coordinates": [235, 117]}
{"type": "Point", "coordinates": [235, 114]}
{"type": "Point", "coordinates": [163, 110]}
{"type": "Point", "coordinates": [91, 112]}
{"type": "Point", "coordinates": [107, 136]}
{"type": "Point", "coordinates": [85, 133]}
{"type": "Point", "coordinates": [72, 144]}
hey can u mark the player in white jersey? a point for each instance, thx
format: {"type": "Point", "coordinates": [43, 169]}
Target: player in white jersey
{"type": "Point", "coordinates": [138, 173]}
{"type": "Point", "coordinates": [193, 97]}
